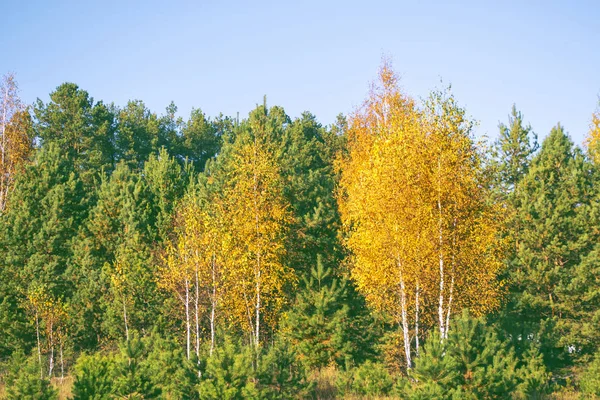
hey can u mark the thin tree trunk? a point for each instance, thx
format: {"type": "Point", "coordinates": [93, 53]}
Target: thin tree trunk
{"type": "Point", "coordinates": [453, 272]}
{"type": "Point", "coordinates": [258, 266]}
{"type": "Point", "coordinates": [417, 320]}
{"type": "Point", "coordinates": [197, 315]}
{"type": "Point", "coordinates": [249, 316]}
{"type": "Point", "coordinates": [441, 259]}
{"type": "Point", "coordinates": [125, 320]}
{"type": "Point", "coordinates": [213, 306]}
{"type": "Point", "coordinates": [62, 365]}
{"type": "Point", "coordinates": [39, 348]}
{"type": "Point", "coordinates": [51, 360]}
{"type": "Point", "coordinates": [187, 317]}
{"type": "Point", "coordinates": [405, 327]}
{"type": "Point", "coordinates": [449, 307]}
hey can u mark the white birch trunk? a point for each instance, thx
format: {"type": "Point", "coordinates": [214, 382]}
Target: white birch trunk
{"type": "Point", "coordinates": [451, 291]}
{"type": "Point", "coordinates": [125, 320]}
{"type": "Point", "coordinates": [441, 258]}
{"type": "Point", "coordinates": [249, 316]}
{"type": "Point", "coordinates": [258, 266]}
{"type": "Point", "coordinates": [213, 306]}
{"type": "Point", "coordinates": [51, 358]}
{"type": "Point", "coordinates": [197, 314]}
{"type": "Point", "coordinates": [448, 308]}
{"type": "Point", "coordinates": [187, 317]}
{"type": "Point", "coordinates": [39, 348]}
{"type": "Point", "coordinates": [417, 320]}
{"type": "Point", "coordinates": [405, 326]}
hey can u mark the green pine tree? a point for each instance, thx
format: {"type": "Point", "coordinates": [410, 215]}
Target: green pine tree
{"type": "Point", "coordinates": [319, 323]}
{"type": "Point", "coordinates": [23, 380]}
{"type": "Point", "coordinates": [551, 274]}
{"type": "Point", "coordinates": [132, 374]}
{"type": "Point", "coordinates": [230, 373]}
{"type": "Point", "coordinates": [83, 129]}
{"type": "Point", "coordinates": [94, 377]}
{"type": "Point", "coordinates": [436, 372]}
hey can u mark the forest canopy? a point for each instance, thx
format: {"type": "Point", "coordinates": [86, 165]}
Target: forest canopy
{"type": "Point", "coordinates": [391, 253]}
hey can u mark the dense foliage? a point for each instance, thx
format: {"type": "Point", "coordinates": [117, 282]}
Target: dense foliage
{"type": "Point", "coordinates": [390, 254]}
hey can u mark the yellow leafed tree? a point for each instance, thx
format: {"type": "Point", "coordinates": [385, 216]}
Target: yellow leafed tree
{"type": "Point", "coordinates": [417, 221]}
{"type": "Point", "coordinates": [256, 220]}
{"type": "Point", "coordinates": [192, 262]}
{"type": "Point", "coordinates": [593, 139]}
{"type": "Point", "coordinates": [15, 139]}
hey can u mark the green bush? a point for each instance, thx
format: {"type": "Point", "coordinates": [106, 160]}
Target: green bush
{"type": "Point", "coordinates": [369, 379]}
{"type": "Point", "coordinates": [281, 376]}
{"type": "Point", "coordinates": [229, 373]}
{"type": "Point", "coordinates": [94, 376]}
{"type": "Point", "coordinates": [23, 380]}
{"type": "Point", "coordinates": [435, 374]}
{"type": "Point", "coordinates": [590, 379]}
{"type": "Point", "coordinates": [474, 363]}
{"type": "Point", "coordinates": [170, 370]}
{"type": "Point", "coordinates": [534, 380]}
{"type": "Point", "coordinates": [133, 377]}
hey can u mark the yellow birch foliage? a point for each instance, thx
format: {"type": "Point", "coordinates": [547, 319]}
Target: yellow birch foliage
{"type": "Point", "coordinates": [411, 195]}
{"type": "Point", "coordinates": [380, 197]}
{"type": "Point", "coordinates": [593, 140]}
{"type": "Point", "coordinates": [257, 220]}
{"type": "Point", "coordinates": [15, 136]}
{"type": "Point", "coordinates": [466, 223]}
{"type": "Point", "coordinates": [192, 259]}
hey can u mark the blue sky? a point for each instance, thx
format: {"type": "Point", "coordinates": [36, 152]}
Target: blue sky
{"type": "Point", "coordinates": [313, 55]}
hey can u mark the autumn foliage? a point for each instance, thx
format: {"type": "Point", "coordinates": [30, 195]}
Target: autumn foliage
{"type": "Point", "coordinates": [423, 236]}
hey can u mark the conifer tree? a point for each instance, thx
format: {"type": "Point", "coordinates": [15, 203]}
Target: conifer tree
{"type": "Point", "coordinates": [112, 259]}
{"type": "Point", "coordinates": [514, 149]}
{"type": "Point", "coordinates": [553, 268]}
{"type": "Point", "coordinates": [35, 235]}
{"type": "Point", "coordinates": [82, 128]}
{"type": "Point", "coordinates": [318, 323]}
{"type": "Point", "coordinates": [201, 138]}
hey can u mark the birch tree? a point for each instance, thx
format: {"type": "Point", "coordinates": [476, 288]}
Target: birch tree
{"type": "Point", "coordinates": [592, 141]}
{"type": "Point", "coordinates": [468, 247]}
{"type": "Point", "coordinates": [15, 140]}
{"type": "Point", "coordinates": [257, 217]}
{"type": "Point", "coordinates": [415, 211]}
{"type": "Point", "coordinates": [381, 203]}
{"type": "Point", "coordinates": [192, 265]}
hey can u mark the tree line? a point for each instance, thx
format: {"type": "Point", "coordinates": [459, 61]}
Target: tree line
{"type": "Point", "coordinates": [388, 254]}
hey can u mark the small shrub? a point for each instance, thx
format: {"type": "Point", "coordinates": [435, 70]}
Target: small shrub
{"type": "Point", "coordinates": [590, 379]}
{"type": "Point", "coordinates": [370, 379]}
{"type": "Point", "coordinates": [94, 376]}
{"type": "Point", "coordinates": [23, 380]}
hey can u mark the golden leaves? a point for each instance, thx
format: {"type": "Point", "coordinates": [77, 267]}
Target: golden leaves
{"type": "Point", "coordinates": [410, 195]}
{"type": "Point", "coordinates": [593, 140]}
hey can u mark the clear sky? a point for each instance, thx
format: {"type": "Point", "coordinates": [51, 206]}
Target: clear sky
{"type": "Point", "coordinates": [223, 56]}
